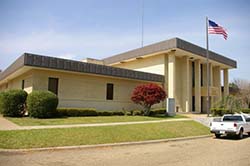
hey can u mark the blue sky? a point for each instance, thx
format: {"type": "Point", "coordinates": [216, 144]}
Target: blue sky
{"type": "Point", "coordinates": [100, 28]}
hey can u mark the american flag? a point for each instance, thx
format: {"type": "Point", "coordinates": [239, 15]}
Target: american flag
{"type": "Point", "coordinates": [214, 28]}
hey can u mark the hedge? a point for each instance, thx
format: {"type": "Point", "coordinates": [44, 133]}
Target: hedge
{"type": "Point", "coordinates": [77, 112]}
{"type": "Point", "coordinates": [245, 110]}
{"type": "Point", "coordinates": [222, 111]}
{"type": "Point", "coordinates": [42, 104]}
{"type": "Point", "coordinates": [12, 103]}
{"type": "Point", "coordinates": [74, 112]}
{"type": "Point", "coordinates": [157, 111]}
{"type": "Point", "coordinates": [110, 113]}
{"type": "Point", "coordinates": [137, 112]}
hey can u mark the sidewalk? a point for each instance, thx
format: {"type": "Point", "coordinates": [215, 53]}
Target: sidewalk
{"type": "Point", "coordinates": [201, 118]}
{"type": "Point", "coordinates": [7, 125]}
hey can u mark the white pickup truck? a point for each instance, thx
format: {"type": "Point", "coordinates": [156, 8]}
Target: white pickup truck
{"type": "Point", "coordinates": [231, 124]}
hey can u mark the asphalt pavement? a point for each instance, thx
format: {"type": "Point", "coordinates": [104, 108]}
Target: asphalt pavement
{"type": "Point", "coordinates": [200, 152]}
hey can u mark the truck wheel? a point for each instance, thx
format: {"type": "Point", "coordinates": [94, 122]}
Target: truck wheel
{"type": "Point", "coordinates": [240, 136]}
{"type": "Point", "coordinates": [217, 135]}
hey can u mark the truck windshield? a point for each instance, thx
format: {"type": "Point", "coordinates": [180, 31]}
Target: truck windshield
{"type": "Point", "coordinates": [232, 118]}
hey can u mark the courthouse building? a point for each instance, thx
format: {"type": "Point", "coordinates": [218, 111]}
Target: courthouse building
{"type": "Point", "coordinates": [176, 65]}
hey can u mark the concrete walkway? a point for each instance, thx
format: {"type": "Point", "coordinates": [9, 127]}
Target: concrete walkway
{"type": "Point", "coordinates": [7, 125]}
{"type": "Point", "coordinates": [201, 118]}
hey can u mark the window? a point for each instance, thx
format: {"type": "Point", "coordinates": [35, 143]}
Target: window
{"type": "Point", "coordinates": [232, 118]}
{"type": "Point", "coordinates": [201, 74]}
{"type": "Point", "coordinates": [53, 85]}
{"type": "Point", "coordinates": [110, 91]}
{"type": "Point", "coordinates": [247, 119]}
{"type": "Point", "coordinates": [22, 84]}
{"type": "Point", "coordinates": [193, 74]}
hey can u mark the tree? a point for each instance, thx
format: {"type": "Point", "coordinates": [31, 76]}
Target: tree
{"type": "Point", "coordinates": [147, 95]}
{"type": "Point", "coordinates": [244, 91]}
{"type": "Point", "coordinates": [233, 89]}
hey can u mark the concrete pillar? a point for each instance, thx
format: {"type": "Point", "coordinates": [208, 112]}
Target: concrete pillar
{"type": "Point", "coordinates": [217, 83]}
{"type": "Point", "coordinates": [165, 76]}
{"type": "Point", "coordinates": [166, 72]}
{"type": "Point", "coordinates": [186, 84]}
{"type": "Point", "coordinates": [197, 87]}
{"type": "Point", "coordinates": [225, 80]}
{"type": "Point", "coordinates": [211, 74]}
{"type": "Point", "coordinates": [171, 75]}
{"type": "Point", "coordinates": [211, 83]}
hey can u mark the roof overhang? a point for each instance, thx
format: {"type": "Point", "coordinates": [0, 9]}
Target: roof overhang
{"type": "Point", "coordinates": [167, 46]}
{"type": "Point", "coordinates": [28, 61]}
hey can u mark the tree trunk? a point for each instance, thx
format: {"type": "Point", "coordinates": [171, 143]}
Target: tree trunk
{"type": "Point", "coordinates": [147, 110]}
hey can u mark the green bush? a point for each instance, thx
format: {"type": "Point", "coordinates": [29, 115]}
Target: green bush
{"type": "Point", "coordinates": [104, 113]}
{"type": "Point", "coordinates": [245, 110]}
{"type": "Point", "coordinates": [220, 111]}
{"type": "Point", "coordinates": [42, 104]}
{"type": "Point", "coordinates": [12, 103]}
{"type": "Point", "coordinates": [118, 113]}
{"type": "Point", "coordinates": [74, 112]}
{"type": "Point", "coordinates": [137, 112]}
{"type": "Point", "coordinates": [157, 111]}
{"type": "Point", "coordinates": [128, 113]}
{"type": "Point", "coordinates": [110, 113]}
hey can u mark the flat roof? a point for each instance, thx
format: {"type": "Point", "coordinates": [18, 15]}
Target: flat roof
{"type": "Point", "coordinates": [41, 61]}
{"type": "Point", "coordinates": [168, 45]}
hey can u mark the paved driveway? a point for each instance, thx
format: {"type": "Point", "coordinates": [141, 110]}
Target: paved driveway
{"type": "Point", "coordinates": [200, 152]}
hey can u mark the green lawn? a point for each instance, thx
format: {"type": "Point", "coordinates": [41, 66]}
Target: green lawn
{"type": "Point", "coordinates": [85, 120]}
{"type": "Point", "coordinates": [37, 138]}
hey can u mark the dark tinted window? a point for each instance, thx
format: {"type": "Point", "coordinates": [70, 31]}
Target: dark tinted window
{"type": "Point", "coordinates": [22, 84]}
{"type": "Point", "coordinates": [53, 85]}
{"type": "Point", "coordinates": [201, 74]}
{"type": "Point", "coordinates": [110, 91]}
{"type": "Point", "coordinates": [193, 74]}
{"type": "Point", "coordinates": [232, 118]}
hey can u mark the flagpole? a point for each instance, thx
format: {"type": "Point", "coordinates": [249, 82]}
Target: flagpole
{"type": "Point", "coordinates": [208, 71]}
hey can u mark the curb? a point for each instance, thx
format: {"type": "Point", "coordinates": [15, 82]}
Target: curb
{"type": "Point", "coordinates": [102, 145]}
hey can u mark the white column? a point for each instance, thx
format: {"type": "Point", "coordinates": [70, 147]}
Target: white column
{"type": "Point", "coordinates": [226, 86]}
{"type": "Point", "coordinates": [166, 72]}
{"type": "Point", "coordinates": [197, 88]}
{"type": "Point", "coordinates": [165, 76]}
{"type": "Point", "coordinates": [217, 82]}
{"type": "Point", "coordinates": [186, 84]}
{"type": "Point", "coordinates": [211, 84]}
{"type": "Point", "coordinates": [211, 74]}
{"type": "Point", "coordinates": [171, 75]}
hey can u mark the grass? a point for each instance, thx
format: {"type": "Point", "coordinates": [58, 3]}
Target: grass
{"type": "Point", "coordinates": [38, 138]}
{"type": "Point", "coordinates": [85, 120]}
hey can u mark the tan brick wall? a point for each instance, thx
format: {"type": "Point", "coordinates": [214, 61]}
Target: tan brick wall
{"type": "Point", "coordinates": [88, 91]}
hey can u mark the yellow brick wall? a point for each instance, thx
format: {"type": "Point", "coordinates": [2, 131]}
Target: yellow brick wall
{"type": "Point", "coordinates": [16, 83]}
{"type": "Point", "coordinates": [154, 64]}
{"type": "Point", "coordinates": [88, 91]}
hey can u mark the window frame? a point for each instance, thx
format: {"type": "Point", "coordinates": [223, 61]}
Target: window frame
{"type": "Point", "coordinates": [57, 85]}
{"type": "Point", "coordinates": [109, 91]}
{"type": "Point", "coordinates": [23, 84]}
